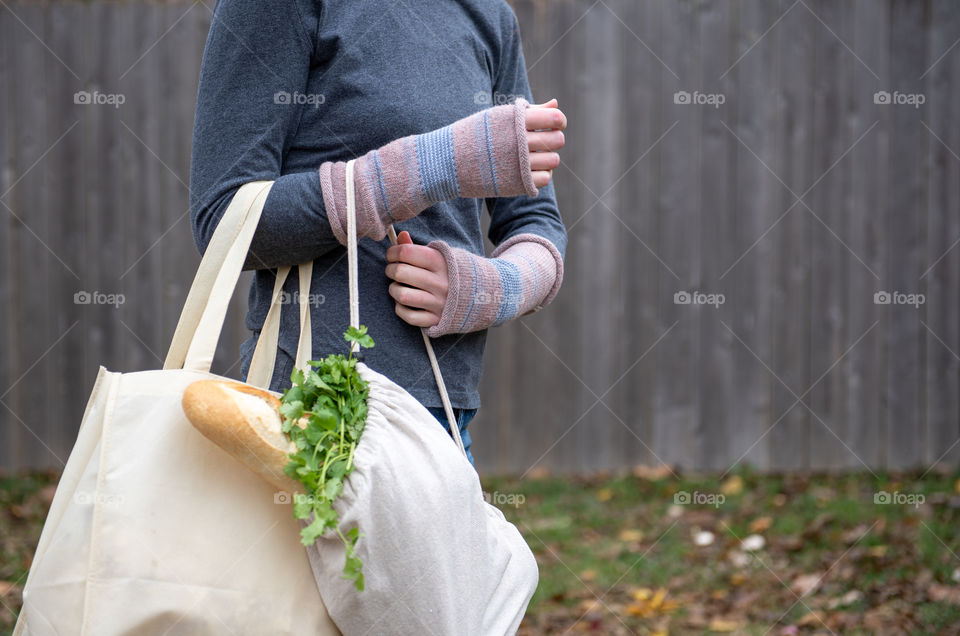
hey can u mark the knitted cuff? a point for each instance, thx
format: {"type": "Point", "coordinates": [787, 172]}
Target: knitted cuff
{"type": "Point", "coordinates": [523, 275]}
{"type": "Point", "coordinates": [483, 155]}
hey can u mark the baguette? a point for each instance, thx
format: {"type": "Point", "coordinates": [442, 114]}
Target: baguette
{"type": "Point", "coordinates": [244, 421]}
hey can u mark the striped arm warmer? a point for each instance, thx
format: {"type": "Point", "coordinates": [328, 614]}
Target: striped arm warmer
{"type": "Point", "coordinates": [482, 155]}
{"type": "Point", "coordinates": [523, 275]}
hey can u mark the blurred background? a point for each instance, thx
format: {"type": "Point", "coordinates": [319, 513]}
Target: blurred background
{"type": "Point", "coordinates": [744, 184]}
{"type": "Point", "coordinates": [761, 288]}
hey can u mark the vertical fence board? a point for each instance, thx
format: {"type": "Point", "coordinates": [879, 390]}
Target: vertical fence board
{"type": "Point", "coordinates": [789, 436]}
{"type": "Point", "coordinates": [905, 221]}
{"type": "Point", "coordinates": [551, 406]}
{"type": "Point", "coordinates": [863, 366]}
{"type": "Point", "coordinates": [65, 365]}
{"type": "Point", "coordinates": [829, 258]}
{"type": "Point", "coordinates": [718, 223]}
{"type": "Point", "coordinates": [600, 35]}
{"type": "Point", "coordinates": [676, 390]}
{"type": "Point", "coordinates": [11, 433]}
{"type": "Point", "coordinates": [942, 265]}
{"type": "Point", "coordinates": [109, 157]}
{"type": "Point", "coordinates": [754, 72]}
{"type": "Point", "coordinates": [639, 333]}
{"type": "Point", "coordinates": [33, 334]}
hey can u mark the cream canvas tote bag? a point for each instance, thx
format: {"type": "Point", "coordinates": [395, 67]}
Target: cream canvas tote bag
{"type": "Point", "coordinates": [154, 529]}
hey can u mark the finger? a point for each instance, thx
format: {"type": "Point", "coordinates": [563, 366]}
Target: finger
{"type": "Point", "coordinates": [542, 177]}
{"type": "Point", "coordinates": [544, 160]}
{"type": "Point", "coordinates": [417, 277]}
{"type": "Point", "coordinates": [403, 238]}
{"type": "Point", "coordinates": [417, 255]}
{"type": "Point", "coordinates": [546, 140]}
{"type": "Point", "coordinates": [549, 104]}
{"type": "Point", "coordinates": [545, 119]}
{"type": "Point", "coordinates": [417, 317]}
{"type": "Point", "coordinates": [415, 298]}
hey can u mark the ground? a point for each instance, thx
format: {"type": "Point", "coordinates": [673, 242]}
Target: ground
{"type": "Point", "coordinates": [654, 551]}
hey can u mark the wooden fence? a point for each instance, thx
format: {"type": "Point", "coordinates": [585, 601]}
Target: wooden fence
{"type": "Point", "coordinates": [744, 185]}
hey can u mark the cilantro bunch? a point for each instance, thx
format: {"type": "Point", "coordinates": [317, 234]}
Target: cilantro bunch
{"type": "Point", "coordinates": [333, 397]}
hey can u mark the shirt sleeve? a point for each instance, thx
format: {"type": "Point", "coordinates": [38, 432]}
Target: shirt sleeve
{"type": "Point", "coordinates": [510, 216]}
{"type": "Point", "coordinates": [257, 55]}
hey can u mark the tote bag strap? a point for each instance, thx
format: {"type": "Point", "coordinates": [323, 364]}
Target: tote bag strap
{"type": "Point", "coordinates": [201, 321]}
{"type": "Point", "coordinates": [264, 355]}
{"type": "Point", "coordinates": [262, 364]}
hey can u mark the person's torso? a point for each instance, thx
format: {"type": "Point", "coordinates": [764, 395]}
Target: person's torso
{"type": "Point", "coordinates": [383, 71]}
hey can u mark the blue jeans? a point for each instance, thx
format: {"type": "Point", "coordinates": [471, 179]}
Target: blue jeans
{"type": "Point", "coordinates": [463, 417]}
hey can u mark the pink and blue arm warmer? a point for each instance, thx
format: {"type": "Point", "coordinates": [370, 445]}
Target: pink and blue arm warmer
{"type": "Point", "coordinates": [523, 275]}
{"type": "Point", "coordinates": [482, 155]}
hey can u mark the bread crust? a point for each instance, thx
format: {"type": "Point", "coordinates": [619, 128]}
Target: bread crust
{"type": "Point", "coordinates": [249, 431]}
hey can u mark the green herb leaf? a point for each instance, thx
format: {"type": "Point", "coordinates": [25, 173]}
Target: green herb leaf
{"type": "Point", "coordinates": [334, 397]}
{"type": "Point", "coordinates": [359, 335]}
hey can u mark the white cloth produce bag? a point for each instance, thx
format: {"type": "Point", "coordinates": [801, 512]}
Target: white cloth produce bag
{"type": "Point", "coordinates": [437, 558]}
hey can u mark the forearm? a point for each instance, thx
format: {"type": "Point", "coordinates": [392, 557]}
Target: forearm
{"type": "Point", "coordinates": [523, 275]}
{"type": "Point", "coordinates": [293, 227]}
{"type": "Point", "coordinates": [482, 155]}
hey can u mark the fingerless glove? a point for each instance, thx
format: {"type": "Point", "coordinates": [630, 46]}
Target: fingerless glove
{"type": "Point", "coordinates": [482, 155]}
{"type": "Point", "coordinates": [523, 275]}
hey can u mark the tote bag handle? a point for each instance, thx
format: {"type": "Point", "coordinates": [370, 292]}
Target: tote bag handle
{"type": "Point", "coordinates": [201, 321]}
{"type": "Point", "coordinates": [262, 363]}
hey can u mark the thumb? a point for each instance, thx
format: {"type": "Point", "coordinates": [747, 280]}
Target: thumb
{"type": "Point", "coordinates": [403, 238]}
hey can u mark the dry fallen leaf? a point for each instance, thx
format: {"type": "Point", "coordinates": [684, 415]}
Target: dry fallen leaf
{"type": "Point", "coordinates": [630, 536]}
{"type": "Point", "coordinates": [849, 598]}
{"type": "Point", "coordinates": [6, 587]}
{"type": "Point", "coordinates": [604, 494]}
{"type": "Point", "coordinates": [647, 603]}
{"type": "Point", "coordinates": [732, 486]}
{"type": "Point", "coordinates": [877, 550]}
{"type": "Point", "coordinates": [805, 584]}
{"type": "Point", "coordinates": [944, 593]}
{"type": "Point", "coordinates": [652, 473]}
{"type": "Point", "coordinates": [760, 524]}
{"type": "Point", "coordinates": [588, 575]}
{"type": "Point", "coordinates": [811, 618]}
{"type": "Point", "coordinates": [46, 494]}
{"type": "Point", "coordinates": [725, 625]}
{"type": "Point", "coordinates": [539, 472]}
{"type": "Point", "coordinates": [738, 559]}
{"type": "Point", "coordinates": [589, 606]}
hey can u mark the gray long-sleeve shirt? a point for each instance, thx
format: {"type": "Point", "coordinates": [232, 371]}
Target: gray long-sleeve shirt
{"type": "Point", "coordinates": [288, 84]}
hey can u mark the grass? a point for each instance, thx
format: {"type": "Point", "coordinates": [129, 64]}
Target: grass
{"type": "Point", "coordinates": [618, 554]}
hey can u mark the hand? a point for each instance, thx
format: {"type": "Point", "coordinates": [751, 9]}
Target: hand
{"type": "Point", "coordinates": [420, 281]}
{"type": "Point", "coordinates": [544, 125]}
